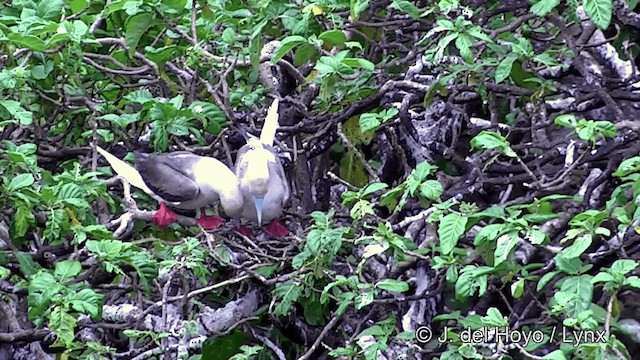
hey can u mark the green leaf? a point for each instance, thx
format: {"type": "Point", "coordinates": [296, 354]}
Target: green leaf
{"type": "Point", "coordinates": [463, 43]}
{"type": "Point", "coordinates": [27, 41]}
{"type": "Point", "coordinates": [545, 279]}
{"type": "Point", "coordinates": [27, 266]}
{"type": "Point", "coordinates": [357, 7]}
{"type": "Point", "coordinates": [450, 230]}
{"type": "Point", "coordinates": [599, 11]}
{"type": "Point", "coordinates": [431, 189]}
{"type": "Point", "coordinates": [491, 140]}
{"type": "Point", "coordinates": [50, 9]}
{"type": "Point", "coordinates": [286, 45]}
{"type": "Point", "coordinates": [86, 301]}
{"type": "Point", "coordinates": [543, 7]}
{"type": "Point", "coordinates": [21, 181]}
{"type": "Point", "coordinates": [368, 122]}
{"type": "Point", "coordinates": [505, 244]}
{"type": "Point", "coordinates": [632, 281]}
{"type": "Point", "coordinates": [136, 26]}
{"type": "Point", "coordinates": [623, 266]}
{"type": "Point", "coordinates": [504, 67]}
{"type": "Point", "coordinates": [602, 277]}
{"type": "Point", "coordinates": [371, 188]}
{"type": "Point", "coordinates": [67, 269]}
{"type": "Point", "coordinates": [407, 7]}
{"type": "Point", "coordinates": [229, 36]}
{"type": "Point", "coordinates": [63, 324]}
{"type": "Point", "coordinates": [335, 37]}
{"type": "Point", "coordinates": [393, 285]}
{"type": "Point", "coordinates": [628, 166]}
{"type": "Point", "coordinates": [130, 6]}
{"type": "Point", "coordinates": [494, 318]}
{"type": "Point", "coordinates": [579, 246]}
{"type": "Point", "coordinates": [422, 170]}
{"type": "Point", "coordinates": [566, 120]}
{"type": "Point", "coordinates": [78, 5]}
{"type": "Point", "coordinates": [14, 108]}
{"type": "Point", "coordinates": [287, 293]}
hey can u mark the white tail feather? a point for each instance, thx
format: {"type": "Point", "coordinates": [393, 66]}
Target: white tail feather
{"type": "Point", "coordinates": [268, 133]}
{"type": "Point", "coordinates": [125, 170]}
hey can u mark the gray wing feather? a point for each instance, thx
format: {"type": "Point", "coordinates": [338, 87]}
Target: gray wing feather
{"type": "Point", "coordinates": [169, 176]}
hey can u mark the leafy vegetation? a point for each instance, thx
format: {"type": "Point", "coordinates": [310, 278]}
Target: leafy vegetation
{"type": "Point", "coordinates": [459, 168]}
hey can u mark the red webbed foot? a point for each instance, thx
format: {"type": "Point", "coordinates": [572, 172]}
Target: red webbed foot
{"type": "Point", "coordinates": [276, 230]}
{"type": "Point", "coordinates": [210, 222]}
{"type": "Point", "coordinates": [164, 216]}
{"type": "Point", "coordinates": [243, 230]}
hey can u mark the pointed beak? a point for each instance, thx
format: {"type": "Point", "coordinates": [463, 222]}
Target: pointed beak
{"type": "Point", "coordinates": [259, 202]}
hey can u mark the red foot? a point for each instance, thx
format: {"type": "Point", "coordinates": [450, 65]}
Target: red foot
{"type": "Point", "coordinates": [210, 222]}
{"type": "Point", "coordinates": [276, 229]}
{"type": "Point", "coordinates": [164, 216]}
{"type": "Point", "coordinates": [243, 230]}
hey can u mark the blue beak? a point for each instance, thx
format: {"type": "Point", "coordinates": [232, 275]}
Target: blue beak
{"type": "Point", "coordinates": [259, 202]}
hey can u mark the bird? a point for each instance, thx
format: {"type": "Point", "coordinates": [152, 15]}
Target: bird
{"type": "Point", "coordinates": [184, 181]}
{"type": "Point", "coordinates": [262, 180]}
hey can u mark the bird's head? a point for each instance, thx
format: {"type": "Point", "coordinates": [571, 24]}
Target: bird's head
{"type": "Point", "coordinates": [255, 176]}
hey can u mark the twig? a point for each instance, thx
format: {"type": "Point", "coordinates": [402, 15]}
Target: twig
{"type": "Point", "coordinates": [357, 153]}
{"type": "Point", "coordinates": [322, 335]}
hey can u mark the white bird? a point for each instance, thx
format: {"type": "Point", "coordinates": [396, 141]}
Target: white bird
{"type": "Point", "coordinates": [262, 179]}
{"type": "Point", "coordinates": [182, 180]}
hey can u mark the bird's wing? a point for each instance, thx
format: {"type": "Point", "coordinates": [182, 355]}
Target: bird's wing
{"type": "Point", "coordinates": [268, 133]}
{"type": "Point", "coordinates": [170, 176]}
{"type": "Point", "coordinates": [125, 170]}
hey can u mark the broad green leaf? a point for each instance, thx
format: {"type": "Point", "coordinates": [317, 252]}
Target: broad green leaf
{"type": "Point", "coordinates": [431, 189]}
{"type": "Point", "coordinates": [543, 7]}
{"type": "Point", "coordinates": [357, 7]}
{"type": "Point", "coordinates": [14, 108]}
{"type": "Point", "coordinates": [393, 285]}
{"type": "Point", "coordinates": [21, 181]}
{"type": "Point", "coordinates": [50, 9]}
{"type": "Point", "coordinates": [494, 318]}
{"type": "Point", "coordinates": [63, 324]}
{"type": "Point", "coordinates": [27, 266]}
{"type": "Point", "coordinates": [67, 269]}
{"type": "Point", "coordinates": [286, 45]}
{"type": "Point", "coordinates": [229, 36]}
{"type": "Point", "coordinates": [504, 67]}
{"type": "Point", "coordinates": [566, 120]}
{"type": "Point", "coordinates": [368, 122]}
{"type": "Point", "coordinates": [623, 266]}
{"type": "Point", "coordinates": [491, 140]}
{"type": "Point", "coordinates": [632, 281]}
{"type": "Point", "coordinates": [135, 27]}
{"type": "Point", "coordinates": [406, 6]}
{"type": "Point", "coordinates": [463, 43]}
{"type": "Point", "coordinates": [505, 244]}
{"type": "Point", "coordinates": [422, 170]}
{"type": "Point", "coordinates": [27, 41]}
{"type": "Point", "coordinates": [77, 5]}
{"type": "Point", "coordinates": [599, 11]}
{"type": "Point", "coordinates": [130, 6]}
{"type": "Point", "coordinates": [450, 230]}
{"type": "Point", "coordinates": [602, 277]}
{"type": "Point", "coordinates": [335, 37]}
{"type": "Point", "coordinates": [545, 279]}
{"type": "Point", "coordinates": [579, 246]}
{"type": "Point", "coordinates": [371, 188]}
